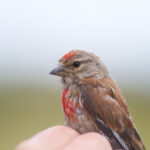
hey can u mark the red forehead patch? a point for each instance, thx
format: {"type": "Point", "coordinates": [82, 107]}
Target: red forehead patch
{"type": "Point", "coordinates": [69, 55]}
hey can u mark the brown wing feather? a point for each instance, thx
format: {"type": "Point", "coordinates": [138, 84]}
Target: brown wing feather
{"type": "Point", "coordinates": [103, 98]}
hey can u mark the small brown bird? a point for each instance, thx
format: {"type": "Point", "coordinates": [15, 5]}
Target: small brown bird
{"type": "Point", "coordinates": [93, 102]}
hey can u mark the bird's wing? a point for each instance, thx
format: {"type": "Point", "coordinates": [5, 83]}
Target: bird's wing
{"type": "Point", "coordinates": [104, 101]}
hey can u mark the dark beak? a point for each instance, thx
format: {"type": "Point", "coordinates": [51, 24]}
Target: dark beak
{"type": "Point", "coordinates": [59, 71]}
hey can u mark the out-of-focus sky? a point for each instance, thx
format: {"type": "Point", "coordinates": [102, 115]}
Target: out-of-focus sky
{"type": "Point", "coordinates": [34, 34]}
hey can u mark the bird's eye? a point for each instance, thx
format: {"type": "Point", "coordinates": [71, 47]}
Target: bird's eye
{"type": "Point", "coordinates": [76, 64]}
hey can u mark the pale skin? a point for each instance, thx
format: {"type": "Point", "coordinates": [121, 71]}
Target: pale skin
{"type": "Point", "coordinates": [64, 138]}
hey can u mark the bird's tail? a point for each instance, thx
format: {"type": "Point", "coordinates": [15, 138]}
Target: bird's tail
{"type": "Point", "coordinates": [132, 139]}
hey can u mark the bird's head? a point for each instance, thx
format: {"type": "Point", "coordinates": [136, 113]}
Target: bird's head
{"type": "Point", "coordinates": [77, 64]}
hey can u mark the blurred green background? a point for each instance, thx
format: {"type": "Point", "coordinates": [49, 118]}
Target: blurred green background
{"type": "Point", "coordinates": [34, 34]}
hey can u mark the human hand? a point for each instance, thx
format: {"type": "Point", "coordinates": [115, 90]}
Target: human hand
{"type": "Point", "coordinates": [64, 138]}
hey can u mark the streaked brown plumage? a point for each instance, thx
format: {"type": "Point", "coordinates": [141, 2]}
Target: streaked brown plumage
{"type": "Point", "coordinates": [92, 101]}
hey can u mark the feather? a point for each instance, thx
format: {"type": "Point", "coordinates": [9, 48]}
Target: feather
{"type": "Point", "coordinates": [112, 112]}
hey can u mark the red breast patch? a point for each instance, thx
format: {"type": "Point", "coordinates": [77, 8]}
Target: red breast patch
{"type": "Point", "coordinates": [68, 105]}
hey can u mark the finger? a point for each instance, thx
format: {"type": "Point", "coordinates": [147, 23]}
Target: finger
{"type": "Point", "coordinates": [51, 139]}
{"type": "Point", "coordinates": [89, 141]}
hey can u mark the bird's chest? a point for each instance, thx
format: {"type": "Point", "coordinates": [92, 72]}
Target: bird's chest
{"type": "Point", "coordinates": [70, 105]}
{"type": "Point", "coordinates": [75, 115]}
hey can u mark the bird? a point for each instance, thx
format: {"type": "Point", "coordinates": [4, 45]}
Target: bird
{"type": "Point", "coordinates": [93, 102]}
